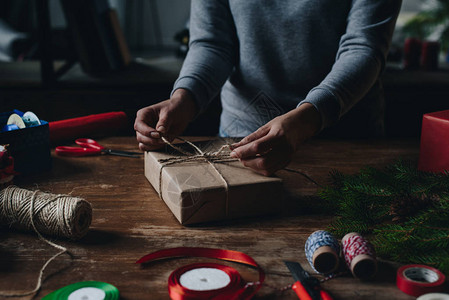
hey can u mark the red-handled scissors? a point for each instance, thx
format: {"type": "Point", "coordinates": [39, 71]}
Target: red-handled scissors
{"type": "Point", "coordinates": [91, 147]}
{"type": "Point", "coordinates": [306, 286]}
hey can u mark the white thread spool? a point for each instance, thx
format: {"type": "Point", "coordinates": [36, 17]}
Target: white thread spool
{"type": "Point", "coordinates": [204, 279]}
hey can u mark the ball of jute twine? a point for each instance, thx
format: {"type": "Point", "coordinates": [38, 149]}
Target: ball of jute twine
{"type": "Point", "coordinates": [55, 215]}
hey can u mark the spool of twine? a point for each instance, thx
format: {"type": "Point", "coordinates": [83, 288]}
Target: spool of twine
{"type": "Point", "coordinates": [53, 215]}
{"type": "Point", "coordinates": [322, 251]}
{"type": "Point", "coordinates": [359, 255]}
{"type": "Point", "coordinates": [44, 213]}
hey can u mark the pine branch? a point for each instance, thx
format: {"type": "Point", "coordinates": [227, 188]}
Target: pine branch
{"type": "Point", "coordinates": [406, 211]}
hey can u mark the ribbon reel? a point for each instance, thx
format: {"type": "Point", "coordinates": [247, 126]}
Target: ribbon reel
{"type": "Point", "coordinates": [208, 280]}
{"type": "Point", "coordinates": [204, 281]}
{"type": "Point", "coordinates": [92, 290]}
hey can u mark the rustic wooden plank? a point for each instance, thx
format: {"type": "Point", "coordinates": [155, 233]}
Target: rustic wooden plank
{"type": "Point", "coordinates": [129, 221]}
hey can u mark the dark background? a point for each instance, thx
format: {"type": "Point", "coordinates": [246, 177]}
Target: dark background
{"type": "Point", "coordinates": [154, 31]}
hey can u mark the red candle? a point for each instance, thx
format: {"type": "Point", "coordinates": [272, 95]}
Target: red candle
{"type": "Point", "coordinates": [412, 52]}
{"type": "Point", "coordinates": [429, 55]}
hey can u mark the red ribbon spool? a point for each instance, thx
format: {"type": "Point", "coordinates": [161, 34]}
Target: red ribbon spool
{"type": "Point", "coordinates": [417, 280]}
{"type": "Point", "coordinates": [236, 289]}
{"type": "Point", "coordinates": [179, 292]}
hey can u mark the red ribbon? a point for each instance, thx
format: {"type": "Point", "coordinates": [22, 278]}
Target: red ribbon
{"type": "Point", "coordinates": [230, 291]}
{"type": "Point", "coordinates": [235, 290]}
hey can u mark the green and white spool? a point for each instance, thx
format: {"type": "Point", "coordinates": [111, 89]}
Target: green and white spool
{"type": "Point", "coordinates": [85, 290]}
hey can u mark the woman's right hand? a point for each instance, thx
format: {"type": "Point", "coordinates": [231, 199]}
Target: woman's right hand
{"type": "Point", "coordinates": [168, 118]}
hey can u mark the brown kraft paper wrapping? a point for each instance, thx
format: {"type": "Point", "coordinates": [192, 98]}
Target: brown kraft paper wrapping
{"type": "Point", "coordinates": [196, 193]}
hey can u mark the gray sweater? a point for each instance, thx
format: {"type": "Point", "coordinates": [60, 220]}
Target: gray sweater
{"type": "Point", "coordinates": [269, 56]}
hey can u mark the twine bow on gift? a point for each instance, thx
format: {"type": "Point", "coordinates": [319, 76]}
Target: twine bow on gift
{"type": "Point", "coordinates": [217, 156]}
{"type": "Point", "coordinates": [210, 157]}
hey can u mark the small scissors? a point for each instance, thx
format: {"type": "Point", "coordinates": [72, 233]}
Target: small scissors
{"type": "Point", "coordinates": [91, 147]}
{"type": "Point", "coordinates": [306, 286]}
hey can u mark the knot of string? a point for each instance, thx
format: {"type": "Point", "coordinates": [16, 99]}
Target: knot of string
{"type": "Point", "coordinates": [211, 157]}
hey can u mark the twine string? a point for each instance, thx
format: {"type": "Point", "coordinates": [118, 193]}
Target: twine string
{"type": "Point", "coordinates": [319, 239]}
{"type": "Point", "coordinates": [333, 275]}
{"type": "Point", "coordinates": [53, 214]}
{"type": "Point", "coordinates": [354, 246]}
{"type": "Point", "coordinates": [304, 175]}
{"type": "Point", "coordinates": [210, 157]}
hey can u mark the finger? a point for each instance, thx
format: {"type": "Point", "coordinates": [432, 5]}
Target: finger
{"type": "Point", "coordinates": [148, 141]}
{"type": "Point", "coordinates": [145, 120]}
{"type": "Point", "coordinates": [262, 131]}
{"type": "Point", "coordinates": [144, 147]}
{"type": "Point", "coordinates": [268, 164]}
{"type": "Point", "coordinates": [255, 148]}
{"type": "Point", "coordinates": [141, 127]}
{"type": "Point", "coordinates": [164, 123]}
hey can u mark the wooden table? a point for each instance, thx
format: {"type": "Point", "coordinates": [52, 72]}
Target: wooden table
{"type": "Point", "coordinates": [129, 221]}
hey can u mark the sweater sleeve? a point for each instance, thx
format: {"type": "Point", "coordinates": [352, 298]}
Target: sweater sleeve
{"type": "Point", "coordinates": [360, 58]}
{"type": "Point", "coordinates": [212, 50]}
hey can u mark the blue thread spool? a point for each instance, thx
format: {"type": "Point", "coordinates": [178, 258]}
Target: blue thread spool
{"type": "Point", "coordinates": [322, 251]}
{"type": "Point", "coordinates": [30, 119]}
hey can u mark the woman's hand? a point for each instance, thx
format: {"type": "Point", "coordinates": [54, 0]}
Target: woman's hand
{"type": "Point", "coordinates": [168, 118]}
{"type": "Point", "coordinates": [271, 147]}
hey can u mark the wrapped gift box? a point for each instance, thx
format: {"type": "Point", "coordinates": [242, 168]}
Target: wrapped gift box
{"type": "Point", "coordinates": [30, 146]}
{"type": "Point", "coordinates": [196, 193]}
{"type": "Point", "coordinates": [434, 148]}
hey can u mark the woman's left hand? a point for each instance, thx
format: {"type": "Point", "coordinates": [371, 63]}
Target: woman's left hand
{"type": "Point", "coordinates": [272, 146]}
